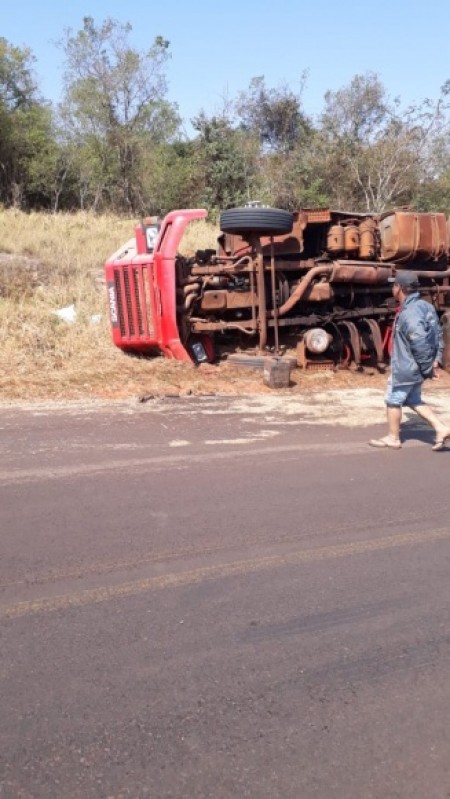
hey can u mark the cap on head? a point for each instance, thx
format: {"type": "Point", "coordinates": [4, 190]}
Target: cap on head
{"type": "Point", "coordinates": [406, 280]}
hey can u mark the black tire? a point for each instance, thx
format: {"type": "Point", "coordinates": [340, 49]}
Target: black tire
{"type": "Point", "coordinates": [268, 221]}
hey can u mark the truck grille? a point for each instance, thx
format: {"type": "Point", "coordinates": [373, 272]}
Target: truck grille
{"type": "Point", "coordinates": [132, 284]}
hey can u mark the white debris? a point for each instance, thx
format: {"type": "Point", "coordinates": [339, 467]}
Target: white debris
{"type": "Point", "coordinates": [67, 314]}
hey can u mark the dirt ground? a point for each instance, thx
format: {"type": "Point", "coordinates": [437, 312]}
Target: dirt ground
{"type": "Point", "coordinates": [345, 398]}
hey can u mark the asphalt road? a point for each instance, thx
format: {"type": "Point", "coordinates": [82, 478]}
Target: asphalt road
{"type": "Point", "coordinates": [195, 603]}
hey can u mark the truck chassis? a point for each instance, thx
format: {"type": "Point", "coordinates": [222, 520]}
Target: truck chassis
{"type": "Point", "coordinates": [314, 282]}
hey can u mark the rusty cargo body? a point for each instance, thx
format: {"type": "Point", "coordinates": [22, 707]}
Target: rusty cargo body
{"type": "Point", "coordinates": [313, 284]}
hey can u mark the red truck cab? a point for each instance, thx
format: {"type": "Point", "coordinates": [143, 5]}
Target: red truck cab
{"type": "Point", "coordinates": [141, 285]}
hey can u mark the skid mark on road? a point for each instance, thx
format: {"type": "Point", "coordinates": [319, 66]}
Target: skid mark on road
{"type": "Point", "coordinates": [281, 538]}
{"type": "Point", "coordinates": [246, 440]}
{"type": "Point", "coordinates": [218, 571]}
{"type": "Point", "coordinates": [184, 461]}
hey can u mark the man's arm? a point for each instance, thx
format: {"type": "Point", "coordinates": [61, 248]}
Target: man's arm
{"type": "Point", "coordinates": [417, 333]}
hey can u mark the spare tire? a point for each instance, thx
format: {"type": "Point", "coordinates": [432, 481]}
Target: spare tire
{"type": "Point", "coordinates": [268, 221]}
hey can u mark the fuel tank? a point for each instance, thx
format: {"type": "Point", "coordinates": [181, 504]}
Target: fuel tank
{"type": "Point", "coordinates": [367, 239]}
{"type": "Point", "coordinates": [409, 237]}
{"type": "Point", "coordinates": [351, 239]}
{"type": "Point", "coordinates": [336, 239]}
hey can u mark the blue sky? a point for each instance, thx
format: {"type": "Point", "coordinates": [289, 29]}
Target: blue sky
{"type": "Point", "coordinates": [218, 47]}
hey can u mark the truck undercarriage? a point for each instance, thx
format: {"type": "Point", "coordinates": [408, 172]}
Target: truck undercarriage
{"type": "Point", "coordinates": [314, 282]}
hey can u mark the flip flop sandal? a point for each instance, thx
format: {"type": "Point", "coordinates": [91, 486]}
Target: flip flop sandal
{"type": "Point", "coordinates": [384, 443]}
{"type": "Point", "coordinates": [440, 443]}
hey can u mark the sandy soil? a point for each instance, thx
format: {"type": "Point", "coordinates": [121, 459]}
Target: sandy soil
{"type": "Point", "coordinates": [341, 398]}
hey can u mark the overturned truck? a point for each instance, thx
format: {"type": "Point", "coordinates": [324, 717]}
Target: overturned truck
{"type": "Point", "coordinates": [313, 283]}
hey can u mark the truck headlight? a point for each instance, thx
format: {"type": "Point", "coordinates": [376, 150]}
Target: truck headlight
{"type": "Point", "coordinates": [317, 340]}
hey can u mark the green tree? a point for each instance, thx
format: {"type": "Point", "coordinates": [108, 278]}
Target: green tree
{"type": "Point", "coordinates": [114, 108]}
{"type": "Point", "coordinates": [433, 192]}
{"type": "Point", "coordinates": [226, 160]}
{"type": "Point", "coordinates": [291, 181]}
{"type": "Point", "coordinates": [373, 154]}
{"type": "Point", "coordinates": [171, 177]}
{"type": "Point", "coordinates": [276, 120]}
{"type": "Point", "coordinates": [274, 115]}
{"type": "Point", "coordinates": [26, 132]}
{"type": "Point", "coordinates": [17, 84]}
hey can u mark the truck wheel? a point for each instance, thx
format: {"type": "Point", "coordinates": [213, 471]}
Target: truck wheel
{"type": "Point", "coordinates": [268, 221]}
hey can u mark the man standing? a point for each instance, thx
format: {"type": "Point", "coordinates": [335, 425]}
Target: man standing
{"type": "Point", "coordinates": [416, 353]}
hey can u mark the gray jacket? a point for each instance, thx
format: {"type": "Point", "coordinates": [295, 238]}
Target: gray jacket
{"type": "Point", "coordinates": [417, 341]}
